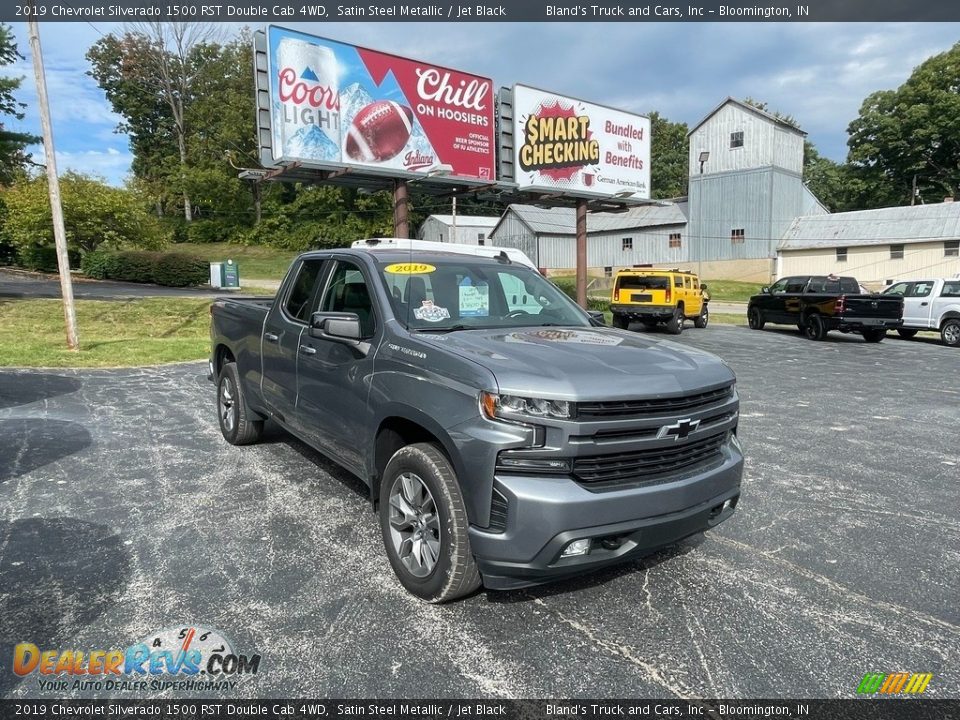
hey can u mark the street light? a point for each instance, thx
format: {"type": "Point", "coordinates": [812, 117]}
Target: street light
{"type": "Point", "coordinates": [704, 156]}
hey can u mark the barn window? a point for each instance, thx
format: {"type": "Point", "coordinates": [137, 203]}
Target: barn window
{"type": "Point", "coordinates": [896, 252]}
{"type": "Point", "coordinates": [626, 244]}
{"type": "Point", "coordinates": [481, 238]}
{"type": "Point", "coordinates": [841, 254]}
{"type": "Point", "coordinates": [736, 139]}
{"type": "Point", "coordinates": [737, 236]}
{"type": "Point", "coordinates": [951, 248]}
{"type": "Point", "coordinates": [675, 240]}
{"type": "Point", "coordinates": [608, 271]}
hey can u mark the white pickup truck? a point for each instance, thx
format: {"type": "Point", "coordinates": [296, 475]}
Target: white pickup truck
{"type": "Point", "coordinates": [930, 305]}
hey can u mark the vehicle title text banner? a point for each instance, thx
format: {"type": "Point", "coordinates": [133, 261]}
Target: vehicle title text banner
{"type": "Point", "coordinates": [249, 11]}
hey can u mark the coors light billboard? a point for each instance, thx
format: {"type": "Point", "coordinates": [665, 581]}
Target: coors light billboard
{"type": "Point", "coordinates": [334, 104]}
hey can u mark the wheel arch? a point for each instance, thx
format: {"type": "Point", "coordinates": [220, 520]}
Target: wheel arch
{"type": "Point", "coordinates": [221, 356]}
{"type": "Point", "coordinates": [949, 315]}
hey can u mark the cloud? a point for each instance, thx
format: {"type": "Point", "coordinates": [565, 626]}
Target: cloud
{"type": "Point", "coordinates": [110, 164]}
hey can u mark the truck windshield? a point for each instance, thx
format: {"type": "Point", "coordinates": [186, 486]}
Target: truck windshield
{"type": "Point", "coordinates": [461, 295]}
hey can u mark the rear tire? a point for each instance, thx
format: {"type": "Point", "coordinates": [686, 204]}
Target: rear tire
{"type": "Point", "coordinates": [815, 328]}
{"type": "Point", "coordinates": [238, 424]}
{"type": "Point", "coordinates": [874, 335]}
{"type": "Point", "coordinates": [950, 332]}
{"type": "Point", "coordinates": [755, 318]}
{"type": "Point", "coordinates": [419, 493]}
{"type": "Point", "coordinates": [906, 333]}
{"type": "Point", "coordinates": [619, 321]}
{"type": "Point", "coordinates": [675, 323]}
{"type": "Point", "coordinates": [701, 320]}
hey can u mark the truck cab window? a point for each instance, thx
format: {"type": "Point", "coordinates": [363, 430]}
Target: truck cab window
{"type": "Point", "coordinates": [298, 301]}
{"type": "Point", "coordinates": [922, 288]}
{"type": "Point", "coordinates": [778, 287]}
{"type": "Point", "coordinates": [796, 285]}
{"type": "Point", "coordinates": [347, 292]}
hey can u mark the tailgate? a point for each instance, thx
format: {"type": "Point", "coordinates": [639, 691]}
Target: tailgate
{"type": "Point", "coordinates": [872, 306]}
{"type": "Point", "coordinates": [647, 289]}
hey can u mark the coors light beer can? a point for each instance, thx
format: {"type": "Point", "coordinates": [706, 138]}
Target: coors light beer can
{"type": "Point", "coordinates": [307, 107]}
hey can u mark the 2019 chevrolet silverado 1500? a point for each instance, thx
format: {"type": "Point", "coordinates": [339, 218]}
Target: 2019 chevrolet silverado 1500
{"type": "Point", "coordinates": [505, 437]}
{"type": "Point", "coordinates": [817, 304]}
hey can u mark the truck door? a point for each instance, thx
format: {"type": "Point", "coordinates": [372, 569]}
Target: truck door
{"type": "Point", "coordinates": [285, 323]}
{"type": "Point", "coordinates": [333, 377]}
{"type": "Point", "coordinates": [918, 304]}
{"type": "Point", "coordinates": [948, 300]}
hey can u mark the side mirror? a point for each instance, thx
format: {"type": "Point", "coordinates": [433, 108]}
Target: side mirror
{"type": "Point", "coordinates": [765, 290]}
{"type": "Point", "coordinates": [341, 327]}
{"type": "Point", "coordinates": [703, 286]}
{"type": "Point", "coordinates": [596, 317]}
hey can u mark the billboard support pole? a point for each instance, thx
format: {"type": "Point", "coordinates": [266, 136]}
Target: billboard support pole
{"type": "Point", "coordinates": [401, 225]}
{"type": "Point", "coordinates": [582, 253]}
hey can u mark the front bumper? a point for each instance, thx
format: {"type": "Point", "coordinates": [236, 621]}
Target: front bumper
{"type": "Point", "coordinates": [644, 312]}
{"type": "Point", "coordinates": [544, 514]}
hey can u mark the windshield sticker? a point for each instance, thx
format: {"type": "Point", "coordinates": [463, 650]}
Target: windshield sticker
{"type": "Point", "coordinates": [409, 269]}
{"type": "Point", "coordinates": [575, 337]}
{"type": "Point", "coordinates": [430, 312]}
{"type": "Point", "coordinates": [474, 300]}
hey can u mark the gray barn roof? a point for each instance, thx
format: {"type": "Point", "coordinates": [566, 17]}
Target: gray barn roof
{"type": "Point", "coordinates": [751, 109]}
{"type": "Point", "coordinates": [562, 221]}
{"type": "Point", "coordinates": [911, 224]}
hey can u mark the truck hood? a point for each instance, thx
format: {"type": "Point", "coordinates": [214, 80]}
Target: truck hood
{"type": "Point", "coordinates": [581, 364]}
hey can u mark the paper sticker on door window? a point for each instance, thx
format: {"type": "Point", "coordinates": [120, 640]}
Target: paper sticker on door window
{"type": "Point", "coordinates": [474, 300]}
{"type": "Point", "coordinates": [430, 312]}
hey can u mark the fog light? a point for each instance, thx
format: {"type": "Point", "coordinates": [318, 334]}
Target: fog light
{"type": "Point", "coordinates": [577, 547]}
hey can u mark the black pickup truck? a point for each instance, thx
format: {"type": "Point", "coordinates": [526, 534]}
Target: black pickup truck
{"type": "Point", "coordinates": [817, 304]}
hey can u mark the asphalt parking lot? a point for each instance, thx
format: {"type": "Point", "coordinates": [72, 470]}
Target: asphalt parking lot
{"type": "Point", "coordinates": [123, 512]}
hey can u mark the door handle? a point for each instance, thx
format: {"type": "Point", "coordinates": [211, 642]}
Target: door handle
{"type": "Point", "coordinates": [307, 350]}
{"type": "Point", "coordinates": [924, 304]}
{"type": "Point", "coordinates": [270, 337]}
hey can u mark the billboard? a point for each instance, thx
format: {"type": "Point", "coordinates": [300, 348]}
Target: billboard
{"type": "Point", "coordinates": [336, 105]}
{"type": "Point", "coordinates": [562, 144]}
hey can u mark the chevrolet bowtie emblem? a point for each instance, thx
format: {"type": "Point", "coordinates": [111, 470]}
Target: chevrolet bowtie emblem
{"type": "Point", "coordinates": [679, 430]}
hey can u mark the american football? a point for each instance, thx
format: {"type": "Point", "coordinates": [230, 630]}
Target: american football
{"type": "Point", "coordinates": [379, 131]}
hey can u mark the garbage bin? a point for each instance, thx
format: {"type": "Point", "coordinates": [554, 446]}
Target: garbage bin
{"type": "Point", "coordinates": [224, 274]}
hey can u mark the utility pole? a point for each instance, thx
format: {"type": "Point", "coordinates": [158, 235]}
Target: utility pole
{"type": "Point", "coordinates": [56, 210]}
{"type": "Point", "coordinates": [454, 237]}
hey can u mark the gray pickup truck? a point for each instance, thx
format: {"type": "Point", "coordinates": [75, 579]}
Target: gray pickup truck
{"type": "Point", "coordinates": [507, 438]}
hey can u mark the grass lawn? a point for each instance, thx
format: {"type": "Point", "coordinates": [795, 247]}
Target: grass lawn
{"type": "Point", "coordinates": [256, 261]}
{"type": "Point", "coordinates": [732, 290]}
{"type": "Point", "coordinates": [114, 333]}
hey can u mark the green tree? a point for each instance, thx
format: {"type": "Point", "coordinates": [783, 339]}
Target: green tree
{"type": "Point", "coordinates": [913, 131]}
{"type": "Point", "coordinates": [668, 157]}
{"type": "Point", "coordinates": [13, 154]}
{"type": "Point", "coordinates": [95, 214]}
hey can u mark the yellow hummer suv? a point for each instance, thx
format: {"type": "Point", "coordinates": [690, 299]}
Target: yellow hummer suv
{"type": "Point", "coordinates": [654, 295]}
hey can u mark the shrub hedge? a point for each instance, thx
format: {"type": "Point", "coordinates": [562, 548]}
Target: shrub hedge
{"type": "Point", "coordinates": [43, 258]}
{"type": "Point", "coordinates": [569, 287]}
{"type": "Point", "coordinates": [172, 269]}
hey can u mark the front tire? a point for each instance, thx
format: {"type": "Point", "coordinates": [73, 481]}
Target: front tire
{"type": "Point", "coordinates": [950, 332]}
{"type": "Point", "coordinates": [874, 335]}
{"type": "Point", "coordinates": [815, 328]}
{"type": "Point", "coordinates": [238, 425]}
{"type": "Point", "coordinates": [701, 320]}
{"type": "Point", "coordinates": [423, 519]}
{"type": "Point", "coordinates": [755, 319]}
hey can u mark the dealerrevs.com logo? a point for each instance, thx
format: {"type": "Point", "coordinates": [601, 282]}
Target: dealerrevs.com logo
{"type": "Point", "coordinates": [183, 658]}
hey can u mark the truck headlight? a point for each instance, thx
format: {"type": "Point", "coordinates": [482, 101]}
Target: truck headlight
{"type": "Point", "coordinates": [514, 406]}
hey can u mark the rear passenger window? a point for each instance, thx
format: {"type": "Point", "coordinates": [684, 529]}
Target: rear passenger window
{"type": "Point", "coordinates": [678, 281]}
{"type": "Point", "coordinates": [298, 302]}
{"type": "Point", "coordinates": [951, 289]}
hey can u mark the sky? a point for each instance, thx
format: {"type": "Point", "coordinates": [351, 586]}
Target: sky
{"type": "Point", "coordinates": [817, 72]}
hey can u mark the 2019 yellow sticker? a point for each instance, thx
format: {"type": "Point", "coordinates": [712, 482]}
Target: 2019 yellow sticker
{"type": "Point", "coordinates": [409, 269]}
